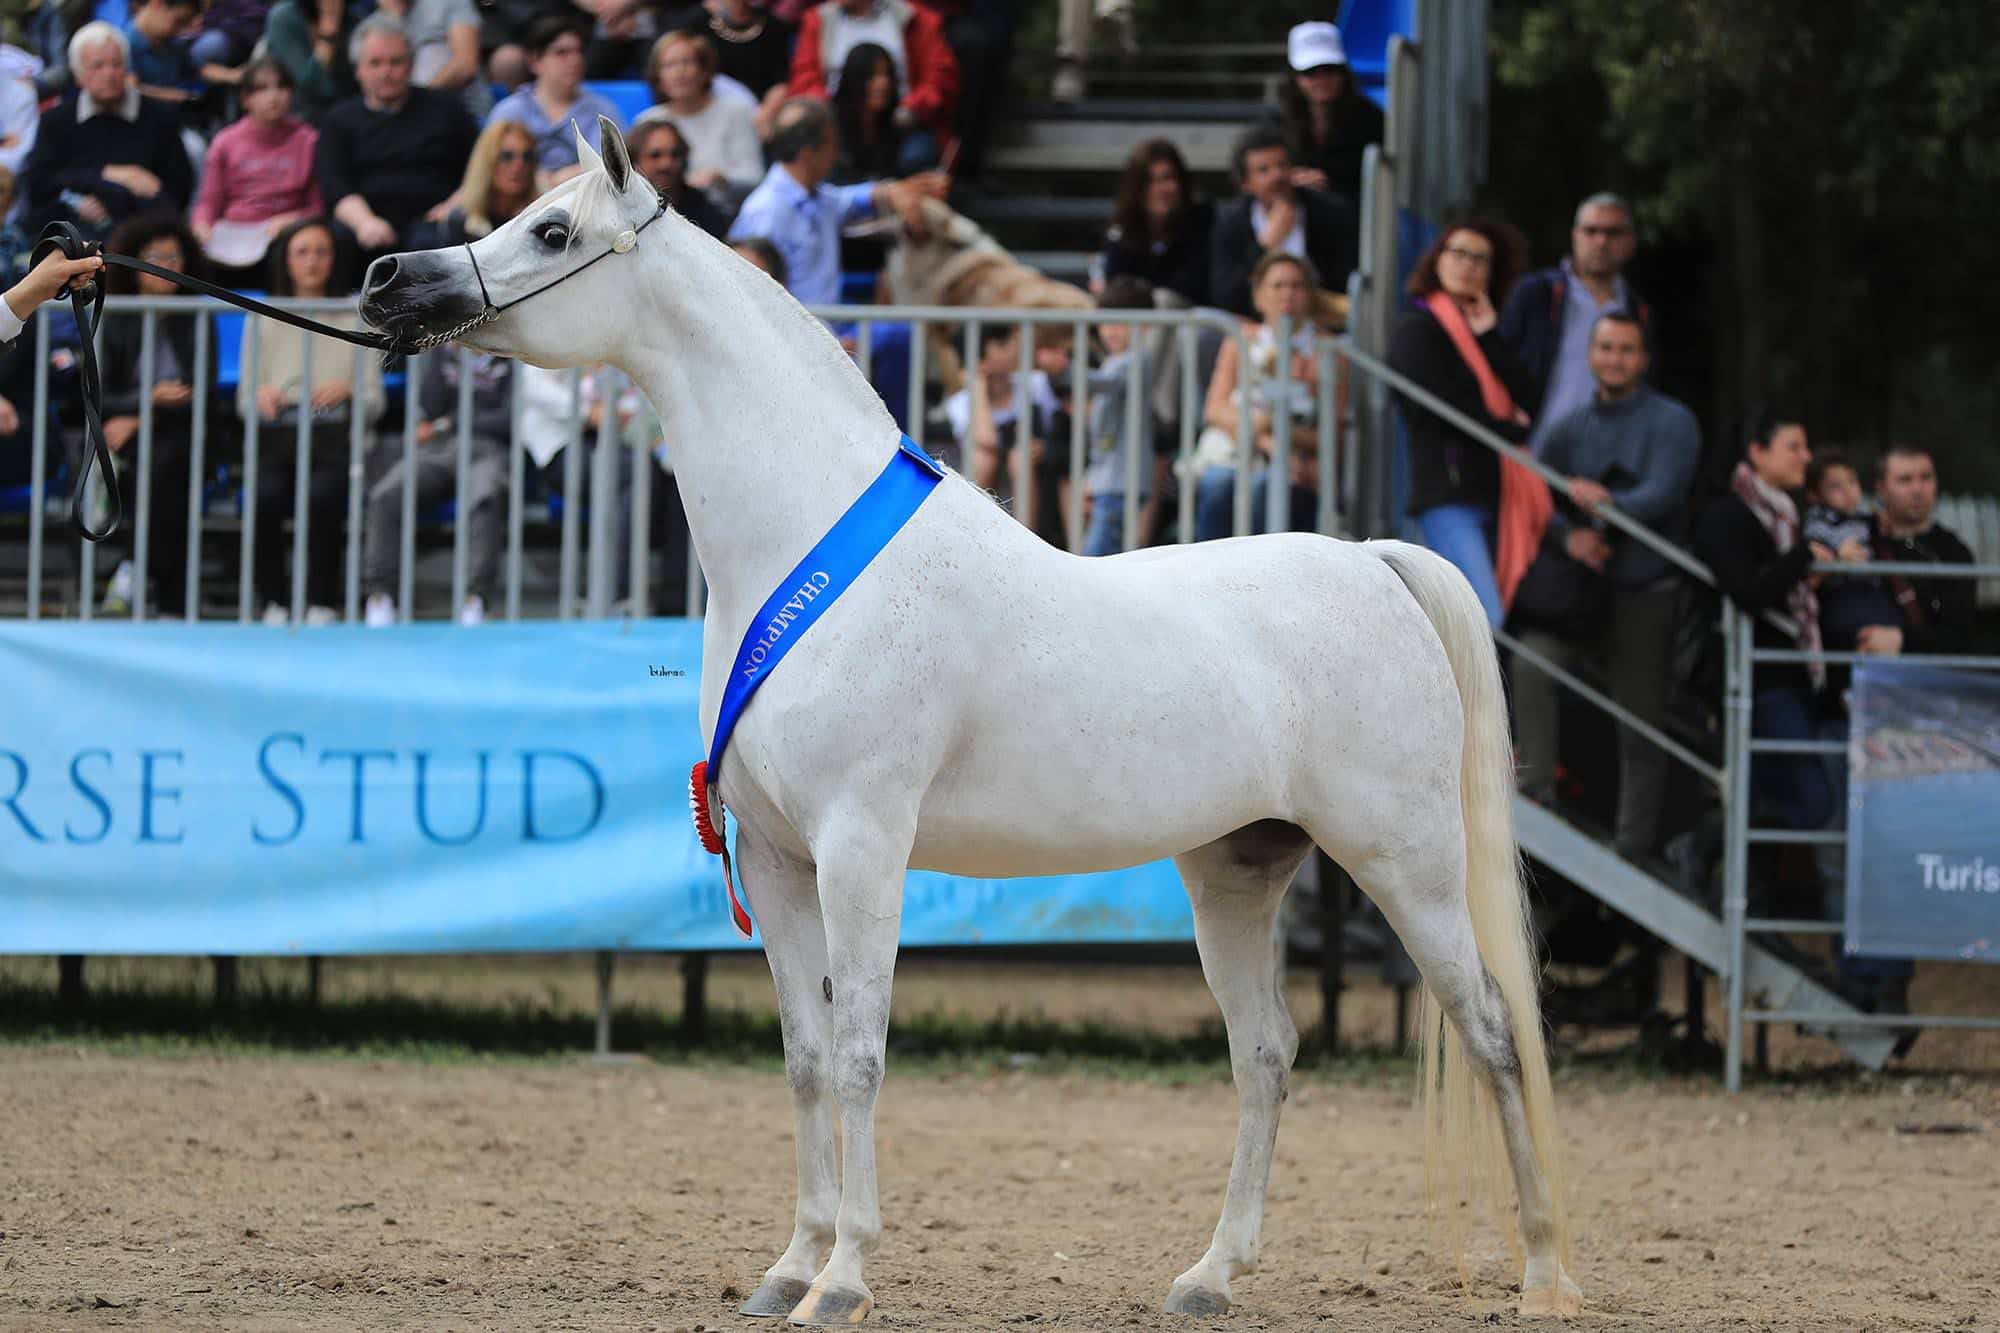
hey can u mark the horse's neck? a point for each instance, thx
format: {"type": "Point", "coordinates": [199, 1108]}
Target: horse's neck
{"type": "Point", "coordinates": [772, 429]}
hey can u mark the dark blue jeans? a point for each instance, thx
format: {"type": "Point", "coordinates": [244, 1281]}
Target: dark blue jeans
{"type": "Point", "coordinates": [1791, 789]}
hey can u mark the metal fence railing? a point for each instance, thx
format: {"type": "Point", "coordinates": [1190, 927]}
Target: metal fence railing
{"type": "Point", "coordinates": [563, 554]}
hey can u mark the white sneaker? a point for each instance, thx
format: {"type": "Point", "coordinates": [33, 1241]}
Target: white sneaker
{"type": "Point", "coordinates": [319, 617]}
{"type": "Point", "coordinates": [381, 611]}
{"type": "Point", "coordinates": [277, 617]}
{"type": "Point", "coordinates": [118, 592]}
{"type": "Point", "coordinates": [473, 612]}
{"type": "Point", "coordinates": [1067, 86]}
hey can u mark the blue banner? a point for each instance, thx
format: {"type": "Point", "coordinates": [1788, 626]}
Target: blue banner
{"type": "Point", "coordinates": [1923, 849]}
{"type": "Point", "coordinates": [185, 789]}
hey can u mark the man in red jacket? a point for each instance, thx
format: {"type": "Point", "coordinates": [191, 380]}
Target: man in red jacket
{"type": "Point", "coordinates": [914, 38]}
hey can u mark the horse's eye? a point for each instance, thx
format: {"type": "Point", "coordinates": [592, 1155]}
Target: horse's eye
{"type": "Point", "coordinates": [553, 234]}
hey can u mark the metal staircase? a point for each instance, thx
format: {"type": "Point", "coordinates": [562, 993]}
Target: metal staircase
{"type": "Point", "coordinates": [1691, 928]}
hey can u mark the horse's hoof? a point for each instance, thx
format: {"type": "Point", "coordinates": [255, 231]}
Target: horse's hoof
{"type": "Point", "coordinates": [1196, 1302]}
{"type": "Point", "coordinates": [775, 1297]}
{"type": "Point", "coordinates": [833, 1305]}
{"type": "Point", "coordinates": [1561, 1301]}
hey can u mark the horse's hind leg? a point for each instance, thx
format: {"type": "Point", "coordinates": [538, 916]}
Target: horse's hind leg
{"type": "Point", "coordinates": [1237, 884]}
{"type": "Point", "coordinates": [861, 899]}
{"type": "Point", "coordinates": [1421, 891]}
{"type": "Point", "coordinates": [785, 896]}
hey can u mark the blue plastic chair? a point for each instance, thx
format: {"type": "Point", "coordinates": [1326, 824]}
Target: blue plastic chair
{"type": "Point", "coordinates": [630, 96]}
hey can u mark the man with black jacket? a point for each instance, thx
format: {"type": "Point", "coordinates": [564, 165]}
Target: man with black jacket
{"type": "Point", "coordinates": [1274, 214]}
{"type": "Point", "coordinates": [1550, 314]}
{"type": "Point", "coordinates": [1937, 613]}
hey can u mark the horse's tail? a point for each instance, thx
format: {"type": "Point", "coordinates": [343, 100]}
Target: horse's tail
{"type": "Point", "coordinates": [1457, 1145]}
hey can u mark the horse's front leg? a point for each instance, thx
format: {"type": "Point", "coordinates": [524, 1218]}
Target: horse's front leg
{"type": "Point", "coordinates": [861, 900]}
{"type": "Point", "coordinates": [784, 893]}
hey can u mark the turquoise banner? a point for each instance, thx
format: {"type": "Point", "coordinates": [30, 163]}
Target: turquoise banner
{"type": "Point", "coordinates": [185, 789]}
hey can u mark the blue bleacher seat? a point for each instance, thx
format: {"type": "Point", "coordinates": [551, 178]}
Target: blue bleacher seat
{"type": "Point", "coordinates": [630, 96]}
{"type": "Point", "coordinates": [228, 346]}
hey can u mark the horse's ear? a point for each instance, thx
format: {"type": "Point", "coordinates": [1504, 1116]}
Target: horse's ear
{"type": "Point", "coordinates": [617, 162]}
{"type": "Point", "coordinates": [585, 154]}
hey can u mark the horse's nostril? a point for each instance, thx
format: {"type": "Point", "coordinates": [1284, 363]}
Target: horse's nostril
{"type": "Point", "coordinates": [381, 275]}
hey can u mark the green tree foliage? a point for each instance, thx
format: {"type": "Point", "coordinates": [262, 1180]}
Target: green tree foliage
{"type": "Point", "coordinates": [1826, 169]}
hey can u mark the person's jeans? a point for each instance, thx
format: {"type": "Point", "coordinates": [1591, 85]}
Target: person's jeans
{"type": "Point", "coordinates": [918, 152]}
{"type": "Point", "coordinates": [1106, 534]}
{"type": "Point", "coordinates": [1215, 504]}
{"type": "Point", "coordinates": [1463, 534]}
{"type": "Point", "coordinates": [436, 480]}
{"type": "Point", "coordinates": [1793, 789]}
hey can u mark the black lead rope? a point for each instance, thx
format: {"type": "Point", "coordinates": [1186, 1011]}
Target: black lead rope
{"type": "Point", "coordinates": [87, 304]}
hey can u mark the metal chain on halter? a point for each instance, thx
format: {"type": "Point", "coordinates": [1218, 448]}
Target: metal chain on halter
{"type": "Point", "coordinates": [87, 304]}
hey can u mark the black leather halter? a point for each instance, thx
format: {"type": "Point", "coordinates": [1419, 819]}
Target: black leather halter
{"type": "Point", "coordinates": [87, 303]}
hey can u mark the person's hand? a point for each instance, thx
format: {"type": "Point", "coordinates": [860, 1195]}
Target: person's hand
{"type": "Point", "coordinates": [1479, 313]}
{"type": "Point", "coordinates": [331, 394]}
{"type": "Point", "coordinates": [1279, 220]}
{"type": "Point", "coordinates": [270, 402]}
{"type": "Point", "coordinates": [136, 179]}
{"type": "Point", "coordinates": [1588, 494]}
{"type": "Point", "coordinates": [1305, 468]}
{"type": "Point", "coordinates": [118, 432]}
{"type": "Point", "coordinates": [1309, 178]}
{"type": "Point", "coordinates": [1879, 640]}
{"type": "Point", "coordinates": [277, 224]}
{"type": "Point", "coordinates": [10, 420]}
{"type": "Point", "coordinates": [50, 278]}
{"type": "Point", "coordinates": [375, 234]}
{"type": "Point", "coordinates": [705, 180]}
{"type": "Point", "coordinates": [9, 140]}
{"type": "Point", "coordinates": [92, 210]}
{"type": "Point", "coordinates": [203, 231]}
{"type": "Point", "coordinates": [1854, 551]}
{"type": "Point", "coordinates": [1821, 554]}
{"type": "Point", "coordinates": [172, 393]}
{"type": "Point", "coordinates": [438, 211]}
{"type": "Point", "coordinates": [927, 184]}
{"type": "Point", "coordinates": [426, 432]}
{"type": "Point", "coordinates": [903, 118]}
{"type": "Point", "coordinates": [1587, 547]}
{"type": "Point", "coordinates": [1038, 450]}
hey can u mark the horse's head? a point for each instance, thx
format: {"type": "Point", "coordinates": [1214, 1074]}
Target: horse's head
{"type": "Point", "coordinates": [568, 250]}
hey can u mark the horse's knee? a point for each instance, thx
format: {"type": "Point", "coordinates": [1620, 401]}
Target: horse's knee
{"type": "Point", "coordinates": [857, 1076]}
{"type": "Point", "coordinates": [805, 1070]}
{"type": "Point", "coordinates": [1266, 1069]}
{"type": "Point", "coordinates": [1488, 1032]}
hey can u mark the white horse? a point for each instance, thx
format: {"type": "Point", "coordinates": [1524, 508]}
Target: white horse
{"type": "Point", "coordinates": [980, 703]}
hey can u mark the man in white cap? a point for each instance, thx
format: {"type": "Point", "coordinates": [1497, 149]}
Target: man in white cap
{"type": "Point", "coordinates": [1327, 121]}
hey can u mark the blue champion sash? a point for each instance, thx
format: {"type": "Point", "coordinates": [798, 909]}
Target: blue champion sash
{"type": "Point", "coordinates": [814, 584]}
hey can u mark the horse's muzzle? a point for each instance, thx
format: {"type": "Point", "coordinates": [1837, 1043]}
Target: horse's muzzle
{"type": "Point", "coordinates": [417, 297]}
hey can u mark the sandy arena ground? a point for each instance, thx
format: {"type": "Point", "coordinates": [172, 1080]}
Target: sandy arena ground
{"type": "Point", "coordinates": [214, 1193]}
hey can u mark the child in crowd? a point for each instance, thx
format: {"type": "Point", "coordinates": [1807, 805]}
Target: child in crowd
{"type": "Point", "coordinates": [1848, 603]}
{"type": "Point", "coordinates": [1110, 474]}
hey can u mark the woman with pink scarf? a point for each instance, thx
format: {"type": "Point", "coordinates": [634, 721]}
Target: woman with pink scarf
{"type": "Point", "coordinates": [1485, 518]}
{"type": "Point", "coordinates": [1751, 538]}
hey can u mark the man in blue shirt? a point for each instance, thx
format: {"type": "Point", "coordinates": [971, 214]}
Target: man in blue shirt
{"type": "Point", "coordinates": [557, 99]}
{"type": "Point", "coordinates": [795, 209]}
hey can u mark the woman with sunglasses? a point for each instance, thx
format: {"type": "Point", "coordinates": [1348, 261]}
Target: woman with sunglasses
{"type": "Point", "coordinates": [257, 178]}
{"type": "Point", "coordinates": [499, 182]}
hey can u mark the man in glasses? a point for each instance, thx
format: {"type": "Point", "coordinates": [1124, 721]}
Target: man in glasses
{"type": "Point", "coordinates": [1549, 317]}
